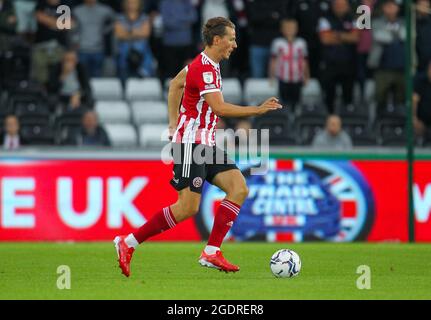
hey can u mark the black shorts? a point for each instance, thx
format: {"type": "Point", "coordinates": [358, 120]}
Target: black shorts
{"type": "Point", "coordinates": [195, 163]}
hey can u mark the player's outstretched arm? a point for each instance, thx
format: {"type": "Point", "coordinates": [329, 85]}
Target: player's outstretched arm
{"type": "Point", "coordinates": [176, 90]}
{"type": "Point", "coordinates": [225, 109]}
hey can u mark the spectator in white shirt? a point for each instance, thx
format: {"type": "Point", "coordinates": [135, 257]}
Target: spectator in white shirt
{"type": "Point", "coordinates": [333, 137]}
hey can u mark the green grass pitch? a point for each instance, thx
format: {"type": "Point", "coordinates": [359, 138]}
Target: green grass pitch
{"type": "Point", "coordinates": [170, 271]}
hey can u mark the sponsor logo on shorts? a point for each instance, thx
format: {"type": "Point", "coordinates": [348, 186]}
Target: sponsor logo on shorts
{"type": "Point", "coordinates": [197, 182]}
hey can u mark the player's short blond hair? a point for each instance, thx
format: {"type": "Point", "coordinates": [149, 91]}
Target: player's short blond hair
{"type": "Point", "coordinates": [215, 27]}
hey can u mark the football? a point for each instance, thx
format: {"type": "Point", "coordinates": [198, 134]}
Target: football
{"type": "Point", "coordinates": [285, 263]}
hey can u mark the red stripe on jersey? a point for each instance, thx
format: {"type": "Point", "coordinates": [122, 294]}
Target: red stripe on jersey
{"type": "Point", "coordinates": [300, 64]}
{"type": "Point", "coordinates": [291, 61]}
{"type": "Point", "coordinates": [203, 75]}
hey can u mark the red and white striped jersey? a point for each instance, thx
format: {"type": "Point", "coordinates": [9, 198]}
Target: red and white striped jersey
{"type": "Point", "coordinates": [290, 59]}
{"type": "Point", "coordinates": [197, 122]}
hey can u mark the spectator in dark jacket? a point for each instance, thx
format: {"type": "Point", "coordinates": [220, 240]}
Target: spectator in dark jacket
{"type": "Point", "coordinates": [388, 55]}
{"type": "Point", "coordinates": [178, 17]}
{"type": "Point", "coordinates": [50, 41]}
{"type": "Point", "coordinates": [70, 82]}
{"type": "Point", "coordinates": [423, 32]}
{"type": "Point", "coordinates": [7, 24]}
{"type": "Point", "coordinates": [92, 134]}
{"type": "Point", "coordinates": [339, 36]}
{"type": "Point", "coordinates": [264, 26]}
{"type": "Point", "coordinates": [308, 13]}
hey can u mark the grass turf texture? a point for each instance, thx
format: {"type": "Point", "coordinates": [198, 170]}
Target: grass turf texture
{"type": "Point", "coordinates": [170, 271]}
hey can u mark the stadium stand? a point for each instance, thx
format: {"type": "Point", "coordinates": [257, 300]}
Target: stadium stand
{"type": "Point", "coordinates": [138, 103]}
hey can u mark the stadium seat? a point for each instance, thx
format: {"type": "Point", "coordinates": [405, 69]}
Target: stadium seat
{"type": "Point", "coordinates": [149, 112]}
{"type": "Point", "coordinates": [279, 129]}
{"type": "Point", "coordinates": [353, 112]}
{"type": "Point", "coordinates": [66, 135]}
{"type": "Point", "coordinates": [232, 91]}
{"type": "Point", "coordinates": [37, 134]}
{"type": "Point", "coordinates": [113, 111]}
{"type": "Point", "coordinates": [153, 135]}
{"type": "Point", "coordinates": [311, 93]}
{"type": "Point", "coordinates": [29, 107]}
{"type": "Point", "coordinates": [392, 132]}
{"type": "Point", "coordinates": [106, 89]}
{"type": "Point", "coordinates": [258, 90]}
{"type": "Point", "coordinates": [122, 135]}
{"type": "Point", "coordinates": [66, 125]}
{"type": "Point", "coordinates": [360, 133]}
{"type": "Point", "coordinates": [143, 89]}
{"type": "Point", "coordinates": [307, 128]}
{"type": "Point", "coordinates": [396, 112]}
{"type": "Point", "coordinates": [427, 138]}
{"type": "Point", "coordinates": [312, 111]}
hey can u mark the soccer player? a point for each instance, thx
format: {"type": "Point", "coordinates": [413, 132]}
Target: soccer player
{"type": "Point", "coordinates": [197, 90]}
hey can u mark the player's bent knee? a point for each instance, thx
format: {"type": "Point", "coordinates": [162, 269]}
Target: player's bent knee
{"type": "Point", "coordinates": [239, 193]}
{"type": "Point", "coordinates": [243, 191]}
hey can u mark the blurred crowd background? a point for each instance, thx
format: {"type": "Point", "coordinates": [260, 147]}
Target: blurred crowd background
{"type": "Point", "coordinates": [104, 81]}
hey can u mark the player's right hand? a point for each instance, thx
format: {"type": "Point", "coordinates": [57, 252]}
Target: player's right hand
{"type": "Point", "coordinates": [269, 105]}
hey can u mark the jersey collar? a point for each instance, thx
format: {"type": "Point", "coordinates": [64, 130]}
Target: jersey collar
{"type": "Point", "coordinates": [209, 59]}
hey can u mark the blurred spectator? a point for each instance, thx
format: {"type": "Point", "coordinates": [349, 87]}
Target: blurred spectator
{"type": "Point", "coordinates": [423, 32]}
{"type": "Point", "coordinates": [308, 13]}
{"type": "Point", "coordinates": [49, 42]}
{"type": "Point", "coordinates": [264, 26]}
{"type": "Point", "coordinates": [178, 17]}
{"type": "Point", "coordinates": [333, 137]}
{"type": "Point", "coordinates": [7, 24]}
{"type": "Point", "coordinates": [132, 31]}
{"type": "Point", "coordinates": [289, 63]}
{"type": "Point", "coordinates": [70, 82]}
{"type": "Point", "coordinates": [388, 54]}
{"type": "Point", "coordinates": [11, 139]}
{"type": "Point", "coordinates": [93, 22]}
{"type": "Point", "coordinates": [339, 36]}
{"type": "Point", "coordinates": [151, 8]}
{"type": "Point", "coordinates": [422, 101]}
{"type": "Point", "coordinates": [214, 8]}
{"type": "Point", "coordinates": [364, 47]}
{"type": "Point", "coordinates": [92, 134]}
{"type": "Point", "coordinates": [26, 22]}
{"type": "Point", "coordinates": [239, 61]}
{"type": "Point", "coordinates": [116, 5]}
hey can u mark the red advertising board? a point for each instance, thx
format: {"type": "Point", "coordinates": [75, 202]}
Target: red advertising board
{"type": "Point", "coordinates": [90, 200]}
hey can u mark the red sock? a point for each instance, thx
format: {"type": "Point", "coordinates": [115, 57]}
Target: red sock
{"type": "Point", "coordinates": [223, 221]}
{"type": "Point", "coordinates": [160, 222]}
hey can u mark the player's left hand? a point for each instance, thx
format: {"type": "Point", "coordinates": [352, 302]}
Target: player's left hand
{"type": "Point", "coordinates": [171, 132]}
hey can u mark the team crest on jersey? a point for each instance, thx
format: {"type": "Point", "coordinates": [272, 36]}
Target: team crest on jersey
{"type": "Point", "coordinates": [208, 77]}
